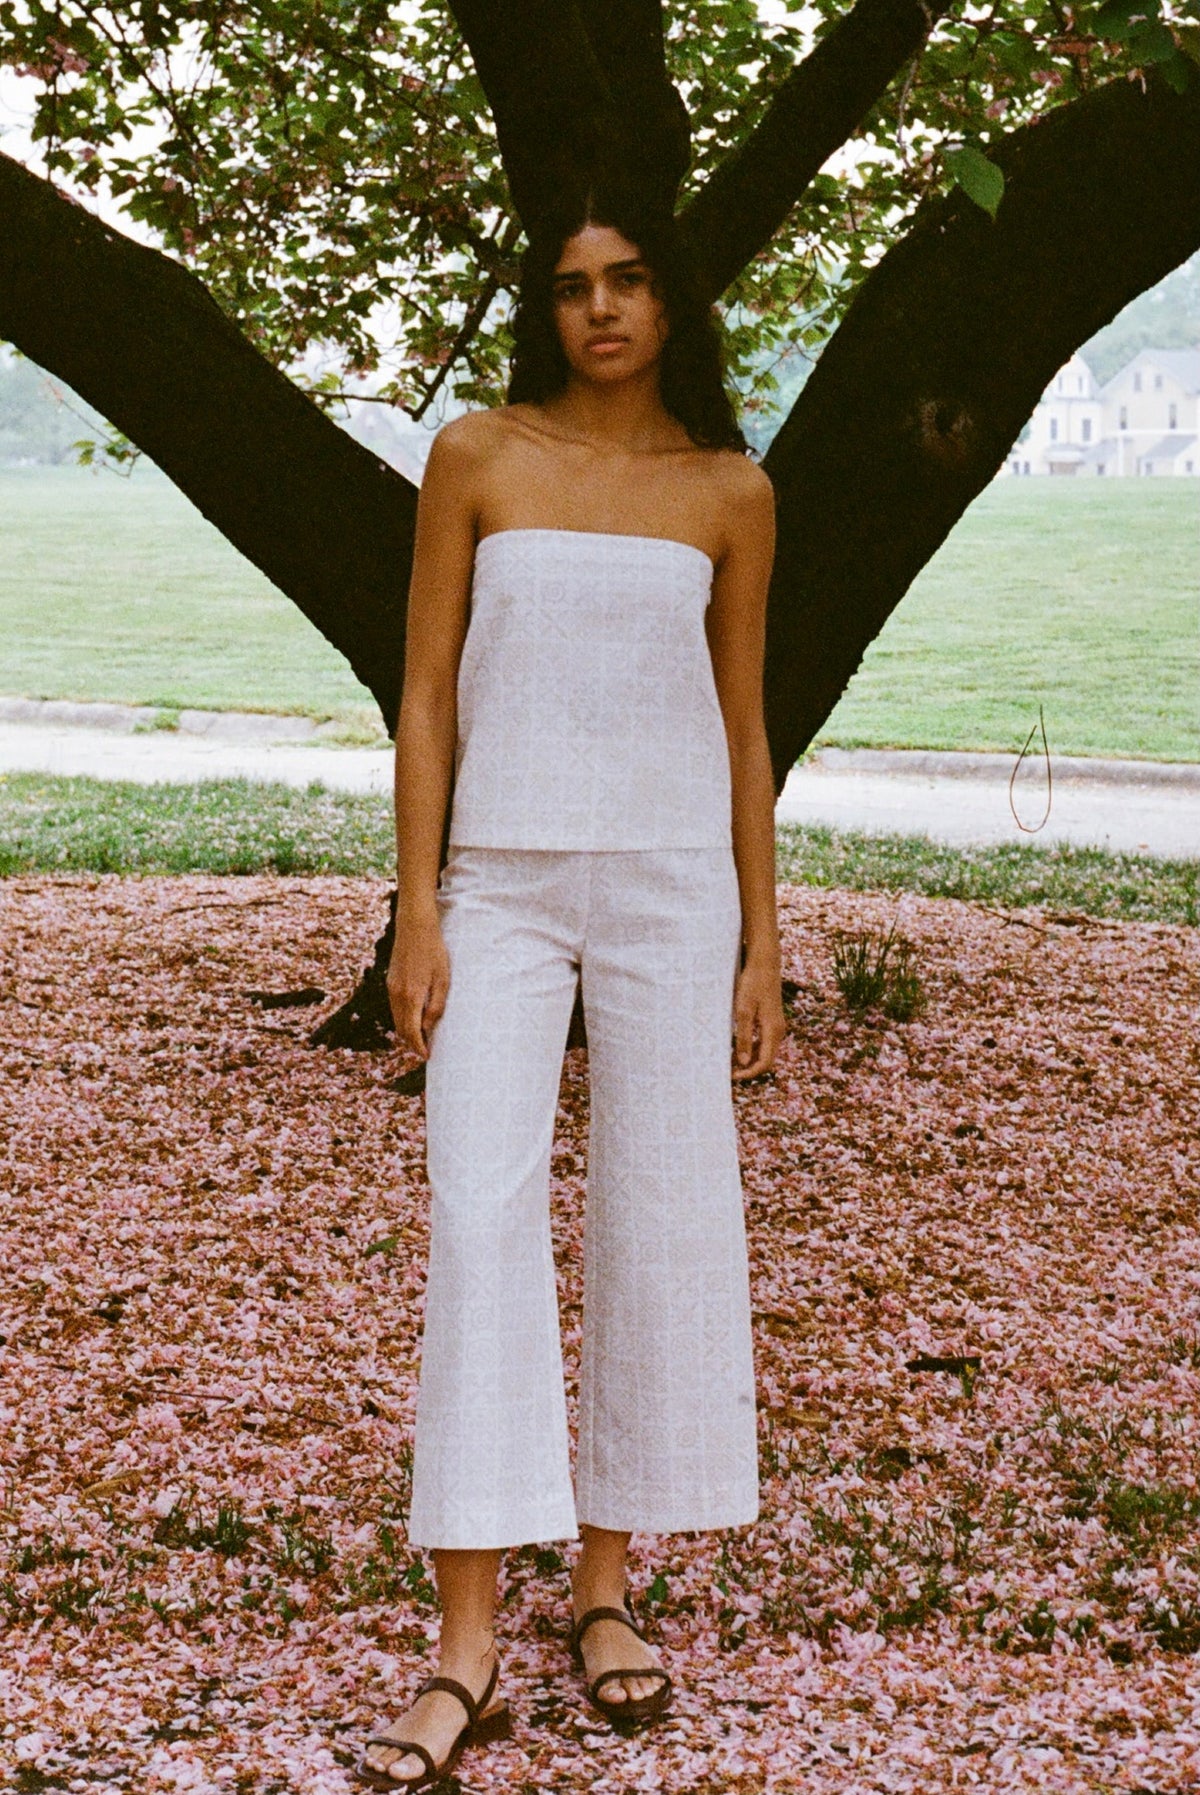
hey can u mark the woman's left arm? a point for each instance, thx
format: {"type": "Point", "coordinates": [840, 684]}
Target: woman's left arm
{"type": "Point", "coordinates": [736, 625]}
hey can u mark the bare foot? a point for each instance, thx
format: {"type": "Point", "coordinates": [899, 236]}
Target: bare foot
{"type": "Point", "coordinates": [609, 1645]}
{"type": "Point", "coordinates": [434, 1720]}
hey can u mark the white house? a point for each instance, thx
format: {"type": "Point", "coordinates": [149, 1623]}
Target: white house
{"type": "Point", "coordinates": [1143, 421]}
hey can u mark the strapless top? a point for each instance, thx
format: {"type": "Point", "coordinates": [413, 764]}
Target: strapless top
{"type": "Point", "coordinates": [587, 708]}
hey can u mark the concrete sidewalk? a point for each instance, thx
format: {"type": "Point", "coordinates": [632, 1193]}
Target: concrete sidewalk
{"type": "Point", "coordinates": [961, 799]}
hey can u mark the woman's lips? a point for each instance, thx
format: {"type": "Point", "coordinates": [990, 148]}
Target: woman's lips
{"type": "Point", "coordinates": [607, 345]}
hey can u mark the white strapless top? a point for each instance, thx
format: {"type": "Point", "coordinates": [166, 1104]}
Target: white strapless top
{"type": "Point", "coordinates": [587, 709]}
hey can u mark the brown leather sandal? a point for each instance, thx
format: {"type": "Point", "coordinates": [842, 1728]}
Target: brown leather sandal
{"type": "Point", "coordinates": [480, 1729]}
{"type": "Point", "coordinates": [629, 1711]}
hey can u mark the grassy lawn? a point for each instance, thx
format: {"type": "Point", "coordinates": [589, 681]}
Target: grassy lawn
{"type": "Point", "coordinates": [236, 826]}
{"type": "Point", "coordinates": [1080, 596]}
{"type": "Point", "coordinates": [120, 589]}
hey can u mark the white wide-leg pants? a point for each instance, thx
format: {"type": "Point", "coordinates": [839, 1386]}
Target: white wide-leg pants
{"type": "Point", "coordinates": [667, 1437]}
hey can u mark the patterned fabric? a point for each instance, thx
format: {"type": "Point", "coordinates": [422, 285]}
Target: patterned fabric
{"type": "Point", "coordinates": [667, 1437]}
{"type": "Point", "coordinates": [587, 709]}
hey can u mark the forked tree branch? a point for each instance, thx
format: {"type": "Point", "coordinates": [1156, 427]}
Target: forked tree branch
{"type": "Point", "coordinates": [819, 105]}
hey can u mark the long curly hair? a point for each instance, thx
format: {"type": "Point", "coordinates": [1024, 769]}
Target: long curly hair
{"type": "Point", "coordinates": [692, 368]}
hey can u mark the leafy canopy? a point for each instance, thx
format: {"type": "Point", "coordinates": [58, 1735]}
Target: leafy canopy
{"type": "Point", "coordinates": [330, 169]}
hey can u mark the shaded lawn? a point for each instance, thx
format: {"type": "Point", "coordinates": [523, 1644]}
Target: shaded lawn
{"type": "Point", "coordinates": [210, 1292]}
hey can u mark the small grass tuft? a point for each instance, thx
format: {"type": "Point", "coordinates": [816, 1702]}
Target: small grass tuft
{"type": "Point", "coordinates": [877, 971]}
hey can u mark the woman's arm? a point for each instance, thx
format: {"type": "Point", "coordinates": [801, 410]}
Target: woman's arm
{"type": "Point", "coordinates": [736, 625]}
{"type": "Point", "coordinates": [436, 626]}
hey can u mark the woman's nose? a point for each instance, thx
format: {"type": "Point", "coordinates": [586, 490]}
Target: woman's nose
{"type": "Point", "coordinates": [602, 305]}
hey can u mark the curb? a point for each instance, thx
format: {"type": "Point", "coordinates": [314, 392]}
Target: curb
{"type": "Point", "coordinates": [922, 763]}
{"type": "Point", "coordinates": [136, 719]}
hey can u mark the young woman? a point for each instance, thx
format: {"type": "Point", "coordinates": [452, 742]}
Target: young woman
{"type": "Point", "coordinates": [583, 689]}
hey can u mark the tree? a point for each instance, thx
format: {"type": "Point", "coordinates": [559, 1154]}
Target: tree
{"type": "Point", "coordinates": [1025, 170]}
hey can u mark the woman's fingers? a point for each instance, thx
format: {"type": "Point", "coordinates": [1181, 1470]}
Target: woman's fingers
{"type": "Point", "coordinates": [746, 1023]}
{"type": "Point", "coordinates": [418, 981]}
{"type": "Point", "coordinates": [758, 1030]}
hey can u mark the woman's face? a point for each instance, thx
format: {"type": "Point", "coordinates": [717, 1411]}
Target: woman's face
{"type": "Point", "coordinates": [611, 321]}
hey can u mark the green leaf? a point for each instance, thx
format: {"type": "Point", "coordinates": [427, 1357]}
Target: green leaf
{"type": "Point", "coordinates": [1179, 73]}
{"type": "Point", "coordinates": [388, 1244]}
{"type": "Point", "coordinates": [979, 179]}
{"type": "Point", "coordinates": [1119, 19]}
{"type": "Point", "coordinates": [1151, 43]}
{"type": "Point", "coordinates": [1189, 42]}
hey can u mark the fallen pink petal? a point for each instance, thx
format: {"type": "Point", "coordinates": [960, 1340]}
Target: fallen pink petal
{"type": "Point", "coordinates": [982, 1575]}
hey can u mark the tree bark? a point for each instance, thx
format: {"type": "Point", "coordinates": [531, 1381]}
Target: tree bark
{"type": "Point", "coordinates": [941, 358]}
{"type": "Point", "coordinates": [747, 198]}
{"type": "Point", "coordinates": [577, 87]}
{"type": "Point", "coordinates": [912, 407]}
{"type": "Point", "coordinates": [142, 340]}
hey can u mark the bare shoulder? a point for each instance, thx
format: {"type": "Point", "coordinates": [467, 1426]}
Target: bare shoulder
{"type": "Point", "coordinates": [471, 438]}
{"type": "Point", "coordinates": [742, 483]}
{"type": "Point", "coordinates": [745, 498]}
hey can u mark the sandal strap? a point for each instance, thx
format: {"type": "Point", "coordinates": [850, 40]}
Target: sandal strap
{"type": "Point", "coordinates": [594, 1614]}
{"type": "Point", "coordinates": [403, 1746]}
{"type": "Point", "coordinates": [461, 1693]}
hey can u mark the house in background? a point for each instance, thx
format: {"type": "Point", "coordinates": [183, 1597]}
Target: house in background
{"type": "Point", "coordinates": [1143, 421]}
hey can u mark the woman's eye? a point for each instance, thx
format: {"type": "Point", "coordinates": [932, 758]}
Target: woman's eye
{"type": "Point", "coordinates": [631, 278]}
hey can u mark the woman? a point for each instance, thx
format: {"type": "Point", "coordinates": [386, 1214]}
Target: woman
{"type": "Point", "coordinates": [612, 821]}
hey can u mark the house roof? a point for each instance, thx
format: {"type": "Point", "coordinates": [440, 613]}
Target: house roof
{"type": "Point", "coordinates": [1183, 366]}
{"type": "Point", "coordinates": [1167, 447]}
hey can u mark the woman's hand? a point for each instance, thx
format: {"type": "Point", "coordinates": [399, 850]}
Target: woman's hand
{"type": "Point", "coordinates": [758, 1018]}
{"type": "Point", "coordinates": [418, 980]}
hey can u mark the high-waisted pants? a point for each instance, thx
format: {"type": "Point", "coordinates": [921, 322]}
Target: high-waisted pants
{"type": "Point", "coordinates": [667, 1438]}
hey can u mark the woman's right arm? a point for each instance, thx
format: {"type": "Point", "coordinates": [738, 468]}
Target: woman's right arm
{"type": "Point", "coordinates": [438, 606]}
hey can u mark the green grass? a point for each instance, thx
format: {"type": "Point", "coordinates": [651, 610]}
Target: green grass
{"type": "Point", "coordinates": [119, 589]}
{"type": "Point", "coordinates": [236, 826]}
{"type": "Point", "coordinates": [217, 826]}
{"type": "Point", "coordinates": [1080, 595]}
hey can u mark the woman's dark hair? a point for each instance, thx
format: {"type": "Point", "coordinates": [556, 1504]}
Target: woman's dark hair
{"type": "Point", "coordinates": [691, 373]}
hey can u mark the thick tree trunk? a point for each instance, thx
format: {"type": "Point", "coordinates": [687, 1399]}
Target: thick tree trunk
{"type": "Point", "coordinates": [142, 340]}
{"type": "Point", "coordinates": [942, 356]}
{"type": "Point", "coordinates": [909, 412]}
{"type": "Point", "coordinates": [575, 88]}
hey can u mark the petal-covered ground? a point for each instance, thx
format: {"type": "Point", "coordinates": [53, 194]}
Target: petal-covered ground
{"type": "Point", "coordinates": [980, 1574]}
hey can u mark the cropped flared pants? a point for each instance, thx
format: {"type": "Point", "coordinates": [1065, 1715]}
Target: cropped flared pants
{"type": "Point", "coordinates": [667, 1437]}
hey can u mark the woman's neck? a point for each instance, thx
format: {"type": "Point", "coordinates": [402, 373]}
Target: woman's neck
{"type": "Point", "coordinates": [628, 416]}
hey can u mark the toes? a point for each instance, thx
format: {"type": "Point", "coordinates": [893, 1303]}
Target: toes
{"type": "Point", "coordinates": [402, 1769]}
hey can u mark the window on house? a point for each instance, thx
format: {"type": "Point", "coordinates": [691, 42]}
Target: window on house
{"type": "Point", "coordinates": [1053, 430]}
{"type": "Point", "coordinates": [1189, 467]}
{"type": "Point", "coordinates": [1158, 383]}
{"type": "Point", "coordinates": [1100, 469]}
{"type": "Point", "coordinates": [1172, 417]}
{"type": "Point", "coordinates": [1087, 430]}
{"type": "Point", "coordinates": [1026, 467]}
{"type": "Point", "coordinates": [1137, 383]}
{"type": "Point", "coordinates": [1123, 419]}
